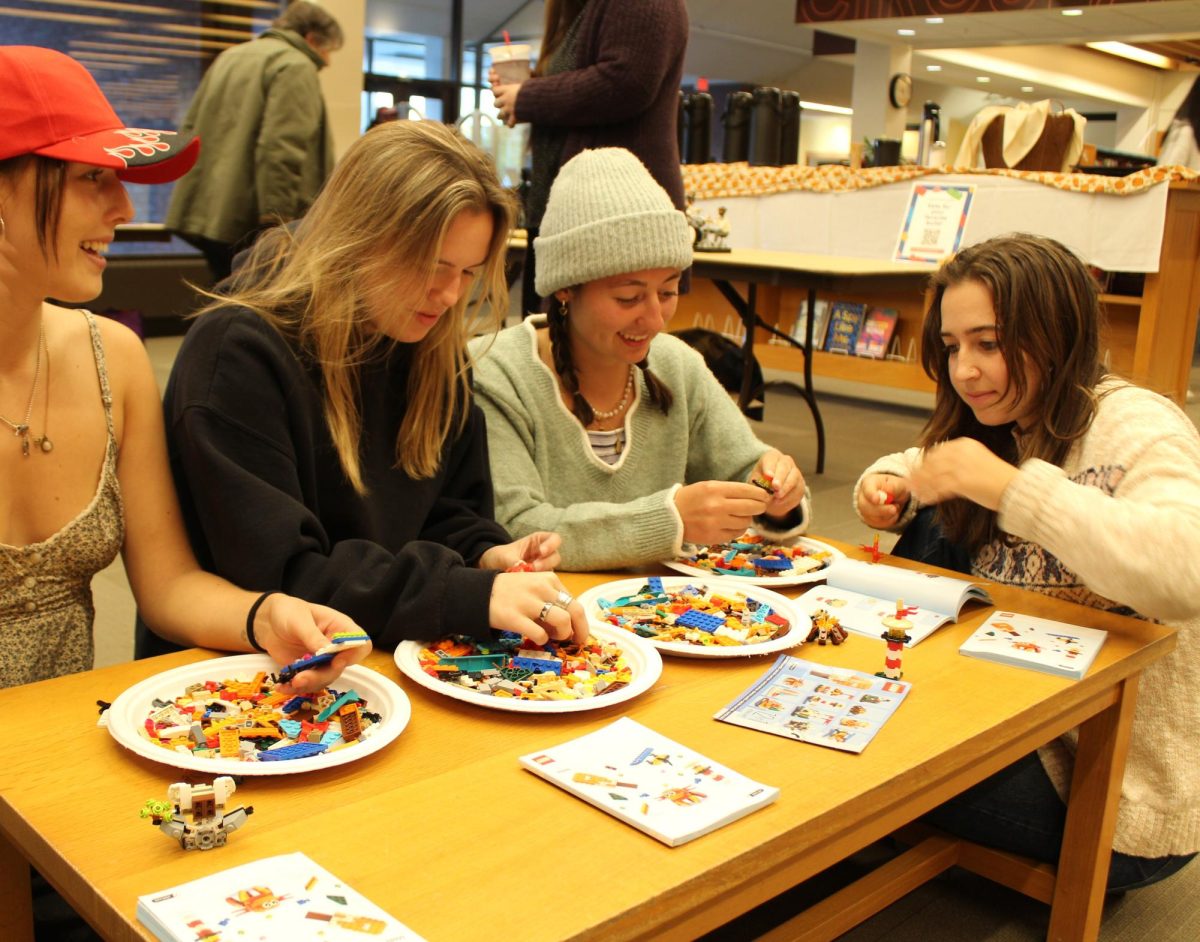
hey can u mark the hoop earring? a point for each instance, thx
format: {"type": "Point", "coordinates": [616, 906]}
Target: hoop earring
{"type": "Point", "coordinates": [3, 227]}
{"type": "Point", "coordinates": [563, 309]}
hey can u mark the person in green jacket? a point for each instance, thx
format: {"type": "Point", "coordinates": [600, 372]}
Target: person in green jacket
{"type": "Point", "coordinates": [266, 143]}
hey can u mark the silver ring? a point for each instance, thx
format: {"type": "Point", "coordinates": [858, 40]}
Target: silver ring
{"type": "Point", "coordinates": [545, 611]}
{"type": "Point", "coordinates": [563, 599]}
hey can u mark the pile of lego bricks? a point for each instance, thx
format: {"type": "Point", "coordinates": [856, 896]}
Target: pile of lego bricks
{"type": "Point", "coordinates": [510, 666]}
{"type": "Point", "coordinates": [694, 615]}
{"type": "Point", "coordinates": [251, 721]}
{"type": "Point", "coordinates": [751, 555]}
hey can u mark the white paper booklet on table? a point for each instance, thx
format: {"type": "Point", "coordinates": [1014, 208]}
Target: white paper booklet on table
{"type": "Point", "coordinates": [667, 790]}
{"type": "Point", "coordinates": [825, 706]}
{"type": "Point", "coordinates": [1039, 644]}
{"type": "Point", "coordinates": [859, 594]}
{"type": "Point", "coordinates": [286, 897]}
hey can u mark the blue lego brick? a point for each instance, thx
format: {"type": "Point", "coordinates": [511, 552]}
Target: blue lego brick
{"type": "Point", "coordinates": [654, 584]}
{"type": "Point", "coordinates": [702, 620]}
{"type": "Point", "coordinates": [291, 727]}
{"type": "Point", "coordinates": [475, 662]}
{"type": "Point", "coordinates": [295, 704]}
{"type": "Point", "coordinates": [300, 750]}
{"type": "Point", "coordinates": [305, 663]}
{"type": "Point", "coordinates": [773, 563]}
{"type": "Point", "coordinates": [539, 665]}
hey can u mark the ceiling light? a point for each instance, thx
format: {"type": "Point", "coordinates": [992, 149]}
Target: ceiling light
{"type": "Point", "coordinates": [1026, 88]}
{"type": "Point", "coordinates": [933, 68]}
{"type": "Point", "coordinates": [1071, 12]}
{"type": "Point", "coordinates": [982, 79]}
{"type": "Point", "coordinates": [832, 109]}
{"type": "Point", "coordinates": [934, 20]}
{"type": "Point", "coordinates": [906, 32]}
{"type": "Point", "coordinates": [1136, 53]}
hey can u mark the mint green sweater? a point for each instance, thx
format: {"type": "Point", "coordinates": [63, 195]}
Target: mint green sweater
{"type": "Point", "coordinates": [610, 516]}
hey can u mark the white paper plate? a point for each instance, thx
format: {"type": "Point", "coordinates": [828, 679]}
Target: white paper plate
{"type": "Point", "coordinates": [643, 660]}
{"type": "Point", "coordinates": [129, 711]}
{"type": "Point", "coordinates": [623, 587]}
{"type": "Point", "coordinates": [788, 578]}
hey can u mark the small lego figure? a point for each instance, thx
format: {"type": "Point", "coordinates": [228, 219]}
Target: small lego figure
{"type": "Point", "coordinates": [714, 233]}
{"type": "Point", "coordinates": [696, 219]}
{"type": "Point", "coordinates": [896, 637]}
{"type": "Point", "coordinates": [826, 629]}
{"type": "Point", "coordinates": [195, 815]}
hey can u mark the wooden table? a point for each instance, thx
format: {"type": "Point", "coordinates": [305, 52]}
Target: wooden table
{"type": "Point", "coordinates": [445, 830]}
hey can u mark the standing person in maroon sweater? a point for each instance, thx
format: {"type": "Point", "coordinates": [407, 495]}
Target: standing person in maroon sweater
{"type": "Point", "coordinates": [608, 76]}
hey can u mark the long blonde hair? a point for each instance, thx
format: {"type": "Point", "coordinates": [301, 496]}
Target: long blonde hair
{"type": "Point", "coordinates": [386, 207]}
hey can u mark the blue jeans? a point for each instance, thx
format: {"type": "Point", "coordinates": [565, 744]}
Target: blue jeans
{"type": "Point", "coordinates": [1018, 810]}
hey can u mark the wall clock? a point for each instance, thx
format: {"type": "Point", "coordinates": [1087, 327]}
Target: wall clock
{"type": "Point", "coordinates": [900, 90]}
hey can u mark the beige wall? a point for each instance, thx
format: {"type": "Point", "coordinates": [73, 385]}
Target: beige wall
{"type": "Point", "coordinates": [342, 81]}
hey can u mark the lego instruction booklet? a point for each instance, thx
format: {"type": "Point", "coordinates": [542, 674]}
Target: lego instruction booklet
{"type": "Point", "coordinates": [285, 897]}
{"type": "Point", "coordinates": [1039, 644]}
{"type": "Point", "coordinates": [860, 594]}
{"type": "Point", "coordinates": [649, 781]}
{"type": "Point", "coordinates": [826, 706]}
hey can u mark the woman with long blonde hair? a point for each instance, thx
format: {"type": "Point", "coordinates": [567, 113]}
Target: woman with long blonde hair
{"type": "Point", "coordinates": [321, 429]}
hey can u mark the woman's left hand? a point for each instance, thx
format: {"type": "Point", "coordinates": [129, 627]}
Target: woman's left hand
{"type": "Point", "coordinates": [964, 468]}
{"type": "Point", "coordinates": [787, 483]}
{"type": "Point", "coordinates": [506, 102]}
{"type": "Point", "coordinates": [538, 551]}
{"type": "Point", "coordinates": [290, 628]}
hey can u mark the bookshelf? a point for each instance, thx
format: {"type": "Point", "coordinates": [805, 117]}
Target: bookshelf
{"type": "Point", "coordinates": [1149, 338]}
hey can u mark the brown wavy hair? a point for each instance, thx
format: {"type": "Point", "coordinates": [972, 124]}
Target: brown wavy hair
{"type": "Point", "coordinates": [1048, 324]}
{"type": "Point", "coordinates": [386, 208]}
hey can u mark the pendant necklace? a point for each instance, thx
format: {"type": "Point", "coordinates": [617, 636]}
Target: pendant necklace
{"type": "Point", "coordinates": [21, 429]}
{"type": "Point", "coordinates": [620, 406]}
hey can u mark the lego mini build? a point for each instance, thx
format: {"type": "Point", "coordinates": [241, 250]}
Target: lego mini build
{"type": "Point", "coordinates": [826, 629]}
{"type": "Point", "coordinates": [195, 815]}
{"type": "Point", "coordinates": [896, 637]}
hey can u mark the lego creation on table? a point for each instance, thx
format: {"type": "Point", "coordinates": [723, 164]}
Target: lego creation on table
{"type": "Point", "coordinates": [510, 673]}
{"type": "Point", "coordinates": [225, 716]}
{"type": "Point", "coordinates": [752, 558]}
{"type": "Point", "coordinates": [694, 619]}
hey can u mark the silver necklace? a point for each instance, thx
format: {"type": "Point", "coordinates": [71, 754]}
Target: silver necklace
{"type": "Point", "coordinates": [21, 429]}
{"type": "Point", "coordinates": [620, 406]}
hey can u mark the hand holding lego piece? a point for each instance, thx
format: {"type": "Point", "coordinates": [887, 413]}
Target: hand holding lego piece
{"type": "Point", "coordinates": [882, 498]}
{"type": "Point", "coordinates": [962, 467]}
{"type": "Point", "coordinates": [539, 550]}
{"type": "Point", "coordinates": [289, 628]}
{"type": "Point", "coordinates": [718, 511]}
{"type": "Point", "coordinates": [786, 483]}
{"type": "Point", "coordinates": [536, 606]}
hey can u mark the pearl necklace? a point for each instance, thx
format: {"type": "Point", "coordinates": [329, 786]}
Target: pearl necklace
{"type": "Point", "coordinates": [620, 406]}
{"type": "Point", "coordinates": [21, 429]}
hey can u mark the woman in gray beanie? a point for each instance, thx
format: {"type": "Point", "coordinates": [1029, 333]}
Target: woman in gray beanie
{"type": "Point", "coordinates": [625, 462]}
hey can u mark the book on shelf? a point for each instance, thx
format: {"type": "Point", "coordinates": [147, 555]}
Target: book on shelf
{"type": "Point", "coordinates": [845, 320]}
{"type": "Point", "coordinates": [878, 326]}
{"type": "Point", "coordinates": [826, 706]}
{"type": "Point", "coordinates": [1039, 644]}
{"type": "Point", "coordinates": [820, 322]}
{"type": "Point", "coordinates": [668, 791]}
{"type": "Point", "coordinates": [284, 897]}
{"type": "Point", "coordinates": [859, 594]}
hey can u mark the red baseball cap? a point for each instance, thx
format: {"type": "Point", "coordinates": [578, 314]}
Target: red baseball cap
{"type": "Point", "coordinates": [52, 106]}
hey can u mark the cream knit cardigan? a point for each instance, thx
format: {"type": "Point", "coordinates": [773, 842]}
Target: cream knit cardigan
{"type": "Point", "coordinates": [1118, 528]}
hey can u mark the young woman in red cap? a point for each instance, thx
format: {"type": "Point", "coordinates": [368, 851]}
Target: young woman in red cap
{"type": "Point", "coordinates": [82, 450]}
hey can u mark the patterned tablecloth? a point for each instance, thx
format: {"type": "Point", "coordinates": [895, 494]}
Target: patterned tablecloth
{"type": "Point", "coordinates": [716, 181]}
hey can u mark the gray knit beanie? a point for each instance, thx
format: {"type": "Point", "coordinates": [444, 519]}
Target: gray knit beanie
{"type": "Point", "coordinates": [606, 216]}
